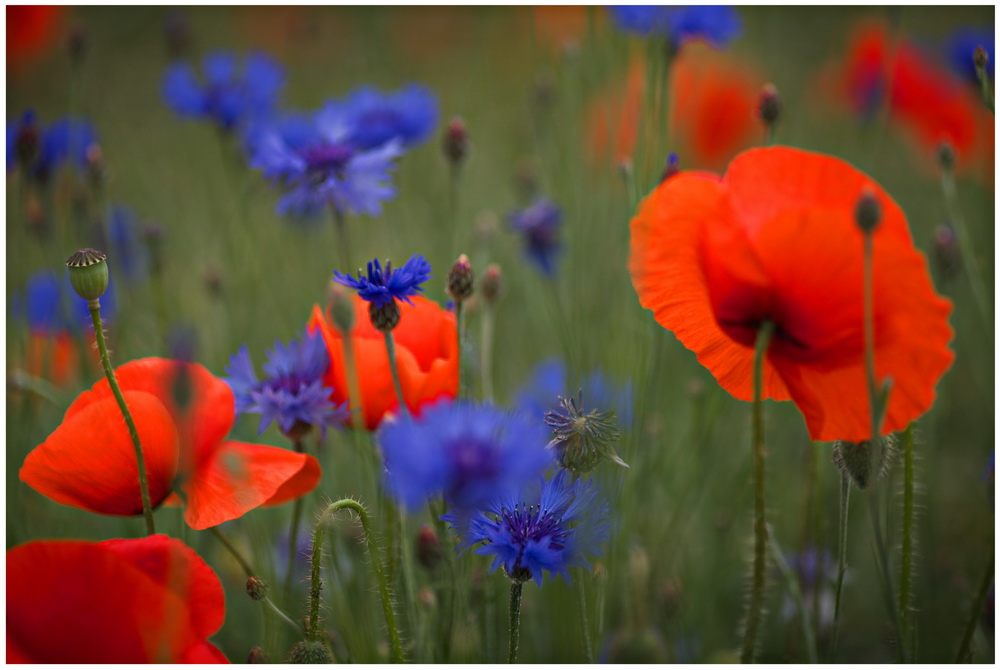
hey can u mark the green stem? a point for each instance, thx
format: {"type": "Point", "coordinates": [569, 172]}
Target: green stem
{"type": "Point", "coordinates": [793, 589]}
{"type": "Point", "coordinates": [965, 648]}
{"type": "Point", "coordinates": [340, 223]}
{"type": "Point", "coordinates": [486, 351]}
{"type": "Point", "coordinates": [458, 337]}
{"type": "Point", "coordinates": [147, 508]}
{"type": "Point", "coordinates": [972, 270]}
{"type": "Point", "coordinates": [907, 569]}
{"type": "Point", "coordinates": [588, 647]}
{"type": "Point", "coordinates": [376, 560]}
{"type": "Point", "coordinates": [515, 621]}
{"type": "Point", "coordinates": [985, 89]}
{"type": "Point", "coordinates": [760, 524]}
{"type": "Point", "coordinates": [882, 561]}
{"type": "Point", "coordinates": [293, 536]}
{"type": "Point", "coordinates": [845, 499]}
{"type": "Point", "coordinates": [390, 348]}
{"type": "Point", "coordinates": [448, 592]}
{"type": "Point", "coordinates": [869, 332]}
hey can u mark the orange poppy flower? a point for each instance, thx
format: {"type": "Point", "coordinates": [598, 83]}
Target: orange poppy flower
{"type": "Point", "coordinates": [775, 238]}
{"type": "Point", "coordinates": [426, 355]}
{"type": "Point", "coordinates": [712, 115]}
{"type": "Point", "coordinates": [151, 600]}
{"type": "Point", "coordinates": [89, 461]}
{"type": "Point", "coordinates": [53, 357]}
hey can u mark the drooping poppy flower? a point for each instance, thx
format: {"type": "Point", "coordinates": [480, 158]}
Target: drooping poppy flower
{"type": "Point", "coordinates": [776, 238]}
{"type": "Point", "coordinates": [150, 600]}
{"type": "Point", "coordinates": [426, 355]}
{"type": "Point", "coordinates": [183, 414]}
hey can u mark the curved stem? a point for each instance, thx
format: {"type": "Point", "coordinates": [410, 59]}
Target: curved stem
{"type": "Point", "coordinates": [376, 559]}
{"type": "Point", "coordinates": [390, 348]}
{"type": "Point", "coordinates": [147, 508]}
{"type": "Point", "coordinates": [845, 499]}
{"type": "Point", "coordinates": [964, 649]}
{"type": "Point", "coordinates": [972, 270]}
{"type": "Point", "coordinates": [907, 567]}
{"type": "Point", "coordinates": [515, 621]}
{"type": "Point", "coordinates": [760, 524]}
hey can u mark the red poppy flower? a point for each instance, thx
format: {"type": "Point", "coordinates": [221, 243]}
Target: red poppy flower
{"type": "Point", "coordinates": [426, 355]}
{"type": "Point", "coordinates": [776, 239]}
{"type": "Point", "coordinates": [712, 116]}
{"type": "Point", "coordinates": [89, 461]}
{"type": "Point", "coordinates": [53, 357]}
{"type": "Point", "coordinates": [151, 600]}
{"type": "Point", "coordinates": [30, 29]}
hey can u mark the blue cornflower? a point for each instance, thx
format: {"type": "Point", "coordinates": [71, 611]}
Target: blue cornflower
{"type": "Point", "coordinates": [549, 382]}
{"type": "Point", "coordinates": [471, 454]}
{"type": "Point", "coordinates": [715, 24]}
{"type": "Point", "coordinates": [51, 306]}
{"type": "Point", "coordinates": [532, 532]}
{"type": "Point", "coordinates": [409, 115]}
{"type": "Point", "coordinates": [292, 395]}
{"type": "Point", "coordinates": [539, 223]}
{"type": "Point", "coordinates": [315, 158]}
{"type": "Point", "coordinates": [42, 150]}
{"type": "Point", "coordinates": [125, 245]}
{"type": "Point", "coordinates": [381, 287]}
{"type": "Point", "coordinates": [228, 94]}
{"type": "Point", "coordinates": [960, 47]}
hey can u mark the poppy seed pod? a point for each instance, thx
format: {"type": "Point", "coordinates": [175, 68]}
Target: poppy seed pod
{"type": "Point", "coordinates": [88, 272]}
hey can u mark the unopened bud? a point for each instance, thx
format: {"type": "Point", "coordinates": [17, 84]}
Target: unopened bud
{"type": "Point", "coordinates": [980, 58]}
{"type": "Point", "coordinates": [581, 440]}
{"type": "Point", "coordinates": [456, 142]}
{"type": "Point", "coordinates": [309, 652]}
{"type": "Point", "coordinates": [384, 318]}
{"type": "Point", "coordinates": [257, 655]}
{"type": "Point", "coordinates": [945, 252]}
{"type": "Point", "coordinates": [88, 272]}
{"type": "Point", "coordinates": [946, 156]}
{"type": "Point", "coordinates": [429, 550]}
{"type": "Point", "coordinates": [460, 279]}
{"type": "Point", "coordinates": [491, 284]}
{"type": "Point", "coordinates": [863, 463]}
{"type": "Point", "coordinates": [340, 308]}
{"type": "Point", "coordinates": [257, 588]}
{"type": "Point", "coordinates": [867, 212]}
{"type": "Point", "coordinates": [769, 105]}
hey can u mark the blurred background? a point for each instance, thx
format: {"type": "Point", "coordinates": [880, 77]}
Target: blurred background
{"type": "Point", "coordinates": [551, 100]}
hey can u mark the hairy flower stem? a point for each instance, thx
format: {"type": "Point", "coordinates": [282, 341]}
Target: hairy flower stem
{"type": "Point", "coordinates": [312, 633]}
{"type": "Point", "coordinates": [588, 647]}
{"type": "Point", "coordinates": [972, 270]}
{"type": "Point", "coordinates": [965, 648]}
{"type": "Point", "coordinates": [906, 571]}
{"type": "Point", "coordinates": [147, 508]}
{"type": "Point", "coordinates": [486, 351]}
{"type": "Point", "coordinates": [515, 621]}
{"type": "Point", "coordinates": [845, 499]}
{"type": "Point", "coordinates": [760, 524]}
{"type": "Point", "coordinates": [390, 348]}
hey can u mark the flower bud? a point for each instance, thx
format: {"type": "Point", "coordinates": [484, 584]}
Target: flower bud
{"type": "Point", "coordinates": [980, 58]}
{"type": "Point", "coordinates": [429, 550]}
{"type": "Point", "coordinates": [867, 211]}
{"type": "Point", "coordinates": [946, 156]}
{"type": "Point", "coordinates": [769, 105]}
{"type": "Point", "coordinates": [257, 655]}
{"type": "Point", "coordinates": [460, 279]}
{"type": "Point", "coordinates": [257, 588]}
{"type": "Point", "coordinates": [582, 440]}
{"type": "Point", "coordinates": [945, 252]}
{"type": "Point", "coordinates": [309, 652]}
{"type": "Point", "coordinates": [384, 318]}
{"type": "Point", "coordinates": [491, 284]}
{"type": "Point", "coordinates": [88, 272]}
{"type": "Point", "coordinates": [340, 308]}
{"type": "Point", "coordinates": [863, 463]}
{"type": "Point", "coordinates": [456, 142]}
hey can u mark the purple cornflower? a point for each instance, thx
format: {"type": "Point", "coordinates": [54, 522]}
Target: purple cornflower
{"type": "Point", "coordinates": [471, 454]}
{"type": "Point", "coordinates": [539, 224]}
{"type": "Point", "coordinates": [292, 395]}
{"type": "Point", "coordinates": [52, 307]}
{"type": "Point", "coordinates": [381, 287]}
{"type": "Point", "coordinates": [315, 158]}
{"type": "Point", "coordinates": [715, 24]}
{"type": "Point", "coordinates": [41, 150]}
{"type": "Point", "coordinates": [549, 382]}
{"type": "Point", "coordinates": [960, 47]}
{"type": "Point", "coordinates": [531, 532]}
{"type": "Point", "coordinates": [229, 93]}
{"type": "Point", "coordinates": [409, 115]}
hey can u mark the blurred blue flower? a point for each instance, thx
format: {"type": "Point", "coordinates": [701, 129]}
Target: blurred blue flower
{"type": "Point", "coordinates": [409, 115]}
{"type": "Point", "coordinates": [471, 454]}
{"type": "Point", "coordinates": [817, 575]}
{"type": "Point", "coordinates": [530, 532]}
{"type": "Point", "coordinates": [539, 224]}
{"type": "Point", "coordinates": [315, 159]}
{"type": "Point", "coordinates": [51, 306]}
{"type": "Point", "coordinates": [960, 47]}
{"type": "Point", "coordinates": [125, 248]}
{"type": "Point", "coordinates": [292, 392]}
{"type": "Point", "coordinates": [44, 149]}
{"type": "Point", "coordinates": [715, 24]}
{"type": "Point", "coordinates": [549, 381]}
{"type": "Point", "coordinates": [381, 287]}
{"type": "Point", "coordinates": [229, 94]}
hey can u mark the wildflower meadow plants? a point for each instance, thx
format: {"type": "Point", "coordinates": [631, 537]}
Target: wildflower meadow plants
{"type": "Point", "coordinates": [326, 343]}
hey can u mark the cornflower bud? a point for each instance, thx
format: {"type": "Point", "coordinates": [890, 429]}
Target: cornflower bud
{"type": "Point", "coordinates": [460, 279]}
{"type": "Point", "coordinates": [257, 588]}
{"type": "Point", "coordinates": [456, 142]}
{"type": "Point", "coordinates": [384, 318]}
{"type": "Point", "coordinates": [769, 105]}
{"type": "Point", "coordinates": [429, 551]}
{"type": "Point", "coordinates": [491, 284]}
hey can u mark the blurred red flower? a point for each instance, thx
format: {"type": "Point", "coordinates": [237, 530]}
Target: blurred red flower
{"type": "Point", "coordinates": [151, 600]}
{"type": "Point", "coordinates": [713, 102]}
{"type": "Point", "coordinates": [89, 461]}
{"type": "Point", "coordinates": [776, 239]}
{"type": "Point", "coordinates": [426, 355]}
{"type": "Point", "coordinates": [931, 102]}
{"type": "Point", "coordinates": [30, 30]}
{"type": "Point", "coordinates": [53, 357]}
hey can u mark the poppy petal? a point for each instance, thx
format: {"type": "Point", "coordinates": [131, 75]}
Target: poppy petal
{"type": "Point", "coordinates": [203, 652]}
{"type": "Point", "coordinates": [176, 567]}
{"type": "Point", "coordinates": [240, 477]}
{"type": "Point", "coordinates": [80, 602]}
{"type": "Point", "coordinates": [206, 421]}
{"type": "Point", "coordinates": [668, 277]}
{"type": "Point", "coordinates": [89, 461]}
